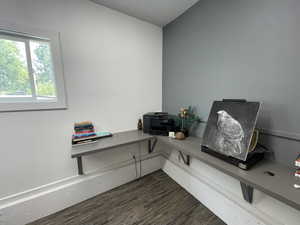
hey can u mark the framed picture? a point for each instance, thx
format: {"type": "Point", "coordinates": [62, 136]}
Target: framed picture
{"type": "Point", "coordinates": [230, 127]}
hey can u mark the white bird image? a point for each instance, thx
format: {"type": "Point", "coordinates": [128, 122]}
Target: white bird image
{"type": "Point", "coordinates": [231, 132]}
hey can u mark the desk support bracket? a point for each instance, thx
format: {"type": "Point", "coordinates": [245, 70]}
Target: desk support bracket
{"type": "Point", "coordinates": [247, 192]}
{"type": "Point", "coordinates": [79, 164]}
{"type": "Point", "coordinates": [151, 145]}
{"type": "Point", "coordinates": [185, 159]}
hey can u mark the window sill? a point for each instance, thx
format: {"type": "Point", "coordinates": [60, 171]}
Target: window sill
{"type": "Point", "coordinates": [32, 106]}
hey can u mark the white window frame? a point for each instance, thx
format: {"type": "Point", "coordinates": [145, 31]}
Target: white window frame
{"type": "Point", "coordinates": [23, 34]}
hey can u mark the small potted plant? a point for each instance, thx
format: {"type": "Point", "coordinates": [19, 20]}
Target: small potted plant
{"type": "Point", "coordinates": [185, 120]}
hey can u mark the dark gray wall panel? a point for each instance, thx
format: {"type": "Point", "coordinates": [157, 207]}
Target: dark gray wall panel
{"type": "Point", "coordinates": [238, 49]}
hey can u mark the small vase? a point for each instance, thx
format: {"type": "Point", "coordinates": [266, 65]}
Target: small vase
{"type": "Point", "coordinates": [180, 135]}
{"type": "Point", "coordinates": [185, 131]}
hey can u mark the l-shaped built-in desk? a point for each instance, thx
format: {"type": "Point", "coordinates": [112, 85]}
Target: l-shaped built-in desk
{"type": "Point", "coordinates": [108, 143]}
{"type": "Point", "coordinates": [280, 186]}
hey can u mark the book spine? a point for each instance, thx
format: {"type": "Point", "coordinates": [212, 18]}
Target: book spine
{"type": "Point", "coordinates": [297, 173]}
{"type": "Point", "coordinates": [83, 128]}
{"type": "Point", "coordinates": [84, 142]}
{"type": "Point", "coordinates": [84, 135]}
{"type": "Point", "coordinates": [297, 161]}
{"type": "Point", "coordinates": [83, 123]}
{"type": "Point", "coordinates": [91, 138]}
{"type": "Point", "coordinates": [86, 131]}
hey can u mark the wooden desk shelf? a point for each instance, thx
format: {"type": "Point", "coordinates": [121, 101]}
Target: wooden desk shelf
{"type": "Point", "coordinates": [117, 140]}
{"type": "Point", "coordinates": [280, 186]}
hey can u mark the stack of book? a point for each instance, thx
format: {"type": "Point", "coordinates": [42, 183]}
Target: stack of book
{"type": "Point", "coordinates": [297, 172]}
{"type": "Point", "coordinates": [84, 132]}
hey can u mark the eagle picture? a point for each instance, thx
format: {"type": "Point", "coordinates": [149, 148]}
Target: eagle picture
{"type": "Point", "coordinates": [230, 135]}
{"type": "Point", "coordinates": [230, 126]}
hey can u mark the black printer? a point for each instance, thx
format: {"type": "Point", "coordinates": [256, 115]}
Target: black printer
{"type": "Point", "coordinates": [158, 123]}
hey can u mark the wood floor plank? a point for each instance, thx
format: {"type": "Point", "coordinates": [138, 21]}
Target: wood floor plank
{"type": "Point", "coordinates": [153, 200]}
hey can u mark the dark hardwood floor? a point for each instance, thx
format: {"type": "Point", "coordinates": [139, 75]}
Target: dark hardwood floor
{"type": "Point", "coordinates": [153, 200]}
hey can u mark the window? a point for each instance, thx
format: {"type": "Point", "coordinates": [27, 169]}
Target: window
{"type": "Point", "coordinates": [31, 75]}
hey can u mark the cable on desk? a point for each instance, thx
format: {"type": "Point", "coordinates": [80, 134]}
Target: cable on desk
{"type": "Point", "coordinates": [140, 155]}
{"type": "Point", "coordinates": [135, 163]}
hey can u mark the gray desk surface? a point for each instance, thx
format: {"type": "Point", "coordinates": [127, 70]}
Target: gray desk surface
{"type": "Point", "coordinates": [117, 140]}
{"type": "Point", "coordinates": [280, 186]}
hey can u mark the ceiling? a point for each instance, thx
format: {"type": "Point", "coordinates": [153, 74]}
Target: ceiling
{"type": "Point", "coordinates": [159, 12]}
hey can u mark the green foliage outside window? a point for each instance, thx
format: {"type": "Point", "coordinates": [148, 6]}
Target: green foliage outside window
{"type": "Point", "coordinates": [13, 70]}
{"type": "Point", "coordinates": [43, 70]}
{"type": "Point", "coordinates": [14, 77]}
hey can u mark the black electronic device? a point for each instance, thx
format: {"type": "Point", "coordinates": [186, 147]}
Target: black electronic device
{"type": "Point", "coordinates": [158, 123]}
{"type": "Point", "coordinates": [251, 160]}
{"type": "Point", "coordinates": [230, 133]}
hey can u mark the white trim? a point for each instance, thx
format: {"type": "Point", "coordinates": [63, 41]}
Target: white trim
{"type": "Point", "coordinates": [17, 35]}
{"type": "Point", "coordinates": [11, 38]}
{"type": "Point", "coordinates": [53, 38]}
{"type": "Point", "coordinates": [30, 69]}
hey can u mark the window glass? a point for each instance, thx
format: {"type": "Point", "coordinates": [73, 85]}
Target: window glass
{"type": "Point", "coordinates": [43, 70]}
{"type": "Point", "coordinates": [31, 72]}
{"type": "Point", "coordinates": [14, 75]}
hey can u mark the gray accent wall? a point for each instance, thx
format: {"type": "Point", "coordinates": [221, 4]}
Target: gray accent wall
{"type": "Point", "coordinates": [238, 49]}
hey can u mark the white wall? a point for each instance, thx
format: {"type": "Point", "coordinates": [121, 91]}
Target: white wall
{"type": "Point", "coordinates": [113, 72]}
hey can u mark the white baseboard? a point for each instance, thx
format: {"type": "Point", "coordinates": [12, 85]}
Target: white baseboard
{"type": "Point", "coordinates": [227, 207]}
{"type": "Point", "coordinates": [40, 202]}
